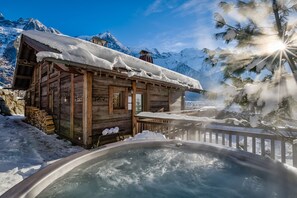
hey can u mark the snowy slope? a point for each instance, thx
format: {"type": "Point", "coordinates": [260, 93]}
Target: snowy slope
{"type": "Point", "coordinates": [24, 150]}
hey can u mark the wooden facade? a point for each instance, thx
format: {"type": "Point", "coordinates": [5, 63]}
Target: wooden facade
{"type": "Point", "coordinates": [86, 100]}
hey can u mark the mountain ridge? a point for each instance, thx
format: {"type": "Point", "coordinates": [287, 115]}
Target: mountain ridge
{"type": "Point", "coordinates": [189, 61]}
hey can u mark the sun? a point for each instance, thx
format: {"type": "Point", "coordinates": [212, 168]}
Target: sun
{"type": "Point", "coordinates": [277, 45]}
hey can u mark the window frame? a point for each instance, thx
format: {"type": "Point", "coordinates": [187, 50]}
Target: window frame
{"type": "Point", "coordinates": [123, 91]}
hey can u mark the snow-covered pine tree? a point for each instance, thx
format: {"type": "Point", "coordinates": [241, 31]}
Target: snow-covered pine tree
{"type": "Point", "coordinates": [262, 36]}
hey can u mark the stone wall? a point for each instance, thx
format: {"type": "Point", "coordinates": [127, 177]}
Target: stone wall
{"type": "Point", "coordinates": [11, 102]}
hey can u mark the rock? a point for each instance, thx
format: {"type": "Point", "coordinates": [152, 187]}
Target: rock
{"type": "Point", "coordinates": [10, 102]}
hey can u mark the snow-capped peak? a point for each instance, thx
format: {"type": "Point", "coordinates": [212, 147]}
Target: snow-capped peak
{"type": "Point", "coordinates": [112, 41]}
{"type": "Point", "coordinates": [34, 24]}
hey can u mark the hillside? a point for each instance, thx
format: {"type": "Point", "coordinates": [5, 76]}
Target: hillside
{"type": "Point", "coordinates": [9, 31]}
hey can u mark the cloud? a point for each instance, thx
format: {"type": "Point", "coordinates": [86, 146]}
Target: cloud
{"type": "Point", "coordinates": [153, 8]}
{"type": "Point", "coordinates": [198, 34]}
{"type": "Point", "coordinates": [205, 39]}
{"type": "Point", "coordinates": [196, 7]}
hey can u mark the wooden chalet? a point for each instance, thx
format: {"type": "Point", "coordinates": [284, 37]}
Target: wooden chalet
{"type": "Point", "coordinates": [88, 88]}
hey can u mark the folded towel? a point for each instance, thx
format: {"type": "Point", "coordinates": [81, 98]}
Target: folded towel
{"type": "Point", "coordinates": [116, 129]}
{"type": "Point", "coordinates": [105, 132]}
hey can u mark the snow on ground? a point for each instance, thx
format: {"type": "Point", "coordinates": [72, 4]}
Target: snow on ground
{"type": "Point", "coordinates": [24, 150]}
{"type": "Point", "coordinates": [147, 135]}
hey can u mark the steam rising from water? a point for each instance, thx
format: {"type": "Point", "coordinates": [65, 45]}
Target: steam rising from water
{"type": "Point", "coordinates": [163, 173]}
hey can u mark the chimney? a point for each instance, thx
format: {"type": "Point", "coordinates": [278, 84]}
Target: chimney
{"type": "Point", "coordinates": [146, 56]}
{"type": "Point", "coordinates": [98, 41]}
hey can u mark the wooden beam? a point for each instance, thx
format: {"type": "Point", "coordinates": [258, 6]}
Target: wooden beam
{"type": "Point", "coordinates": [26, 63]}
{"type": "Point", "coordinates": [47, 86]}
{"type": "Point", "coordinates": [24, 77]}
{"type": "Point", "coordinates": [72, 101]}
{"type": "Point", "coordinates": [61, 67]}
{"type": "Point", "coordinates": [87, 108]}
{"type": "Point", "coordinates": [59, 98]}
{"type": "Point", "coordinates": [183, 105]}
{"type": "Point", "coordinates": [134, 122]}
{"type": "Point", "coordinates": [110, 99]}
{"type": "Point", "coordinates": [148, 97]}
{"type": "Point", "coordinates": [39, 83]}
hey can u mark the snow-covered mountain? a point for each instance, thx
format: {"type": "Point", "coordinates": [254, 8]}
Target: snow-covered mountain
{"type": "Point", "coordinates": [188, 61]}
{"type": "Point", "coordinates": [9, 31]}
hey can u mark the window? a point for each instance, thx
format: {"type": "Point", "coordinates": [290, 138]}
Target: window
{"type": "Point", "coordinates": [139, 103]}
{"type": "Point", "coordinates": [129, 102]}
{"type": "Point", "coordinates": [118, 99]}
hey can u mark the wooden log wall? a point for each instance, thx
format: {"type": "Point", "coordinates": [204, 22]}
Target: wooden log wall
{"type": "Point", "coordinates": [63, 95]}
{"type": "Point", "coordinates": [175, 99]}
{"type": "Point", "coordinates": [78, 108]}
{"type": "Point", "coordinates": [158, 98]}
{"type": "Point", "coordinates": [102, 117]}
{"type": "Point", "coordinates": [65, 106]}
{"type": "Point", "coordinates": [50, 90]}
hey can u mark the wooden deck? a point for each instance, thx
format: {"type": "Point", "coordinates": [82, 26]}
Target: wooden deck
{"type": "Point", "coordinates": [254, 140]}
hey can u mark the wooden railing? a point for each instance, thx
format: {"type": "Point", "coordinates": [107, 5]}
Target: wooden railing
{"type": "Point", "coordinates": [280, 145]}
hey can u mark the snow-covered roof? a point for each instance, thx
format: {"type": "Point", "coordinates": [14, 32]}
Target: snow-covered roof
{"type": "Point", "coordinates": [87, 53]}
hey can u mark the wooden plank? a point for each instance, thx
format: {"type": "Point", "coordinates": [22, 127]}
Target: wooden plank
{"type": "Point", "coordinates": [24, 77]}
{"type": "Point", "coordinates": [253, 144]}
{"type": "Point", "coordinates": [294, 150]}
{"type": "Point", "coordinates": [245, 143]}
{"type": "Point", "coordinates": [148, 98]}
{"type": "Point", "coordinates": [47, 86]}
{"type": "Point", "coordinates": [110, 99]}
{"type": "Point", "coordinates": [134, 122]}
{"type": "Point", "coordinates": [283, 151]}
{"type": "Point", "coordinates": [87, 108]}
{"type": "Point", "coordinates": [72, 103]}
{"type": "Point", "coordinates": [262, 146]}
{"type": "Point", "coordinates": [39, 83]}
{"type": "Point", "coordinates": [183, 105]}
{"type": "Point", "coordinates": [272, 149]}
{"type": "Point", "coordinates": [237, 141]}
{"type": "Point", "coordinates": [223, 139]}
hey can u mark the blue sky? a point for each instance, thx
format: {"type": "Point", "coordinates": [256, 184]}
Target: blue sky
{"type": "Point", "coordinates": [168, 25]}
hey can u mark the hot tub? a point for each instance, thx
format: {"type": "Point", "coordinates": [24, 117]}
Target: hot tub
{"type": "Point", "coordinates": [161, 169]}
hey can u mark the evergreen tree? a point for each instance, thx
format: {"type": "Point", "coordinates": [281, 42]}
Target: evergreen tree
{"type": "Point", "coordinates": [262, 34]}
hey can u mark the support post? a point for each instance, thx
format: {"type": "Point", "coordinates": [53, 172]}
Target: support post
{"type": "Point", "coordinates": [87, 108]}
{"type": "Point", "coordinates": [72, 100]}
{"type": "Point", "coordinates": [295, 153]}
{"type": "Point", "coordinates": [134, 122]}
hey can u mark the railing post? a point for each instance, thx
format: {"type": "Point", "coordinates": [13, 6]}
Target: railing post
{"type": "Point", "coordinates": [262, 146]}
{"type": "Point", "coordinates": [230, 140]}
{"type": "Point", "coordinates": [283, 150]}
{"type": "Point", "coordinates": [272, 155]}
{"type": "Point", "coordinates": [253, 144]}
{"type": "Point", "coordinates": [245, 143]}
{"type": "Point", "coordinates": [295, 153]}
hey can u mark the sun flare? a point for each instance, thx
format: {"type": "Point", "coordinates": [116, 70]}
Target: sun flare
{"type": "Point", "coordinates": [276, 45]}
